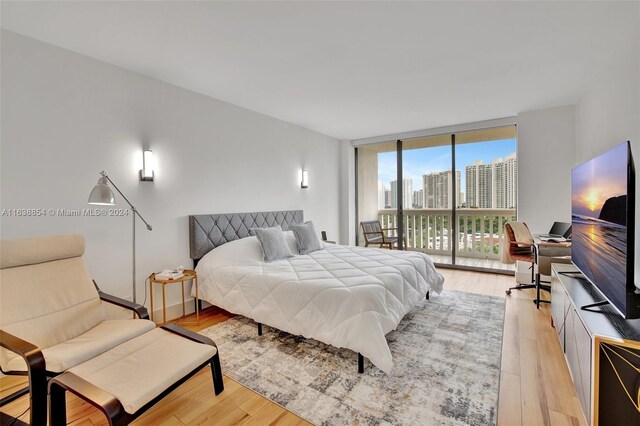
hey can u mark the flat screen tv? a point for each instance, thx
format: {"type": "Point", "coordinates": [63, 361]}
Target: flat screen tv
{"type": "Point", "coordinates": [602, 221]}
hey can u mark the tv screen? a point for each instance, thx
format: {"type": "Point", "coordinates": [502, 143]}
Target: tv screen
{"type": "Point", "coordinates": [602, 218]}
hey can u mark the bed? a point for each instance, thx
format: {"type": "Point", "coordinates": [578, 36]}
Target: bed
{"type": "Point", "coordinates": [348, 297]}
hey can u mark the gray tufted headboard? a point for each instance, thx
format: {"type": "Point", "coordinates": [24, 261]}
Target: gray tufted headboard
{"type": "Point", "coordinates": [208, 231]}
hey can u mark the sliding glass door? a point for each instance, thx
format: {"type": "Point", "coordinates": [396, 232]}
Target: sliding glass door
{"type": "Point", "coordinates": [488, 167]}
{"type": "Point", "coordinates": [377, 190]}
{"type": "Point", "coordinates": [450, 194]}
{"type": "Point", "coordinates": [429, 187]}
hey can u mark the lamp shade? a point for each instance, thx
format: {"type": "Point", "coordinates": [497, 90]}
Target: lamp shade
{"type": "Point", "coordinates": [102, 195]}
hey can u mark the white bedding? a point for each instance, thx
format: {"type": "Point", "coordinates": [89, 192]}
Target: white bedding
{"type": "Point", "coordinates": [344, 296]}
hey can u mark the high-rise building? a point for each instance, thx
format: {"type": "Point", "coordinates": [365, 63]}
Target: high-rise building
{"type": "Point", "coordinates": [479, 177]}
{"type": "Point", "coordinates": [407, 193]}
{"type": "Point", "coordinates": [418, 199]}
{"type": "Point", "coordinates": [381, 199]}
{"type": "Point", "coordinates": [471, 178]}
{"type": "Point", "coordinates": [387, 199]}
{"type": "Point", "coordinates": [394, 194]}
{"type": "Point", "coordinates": [438, 190]}
{"type": "Point", "coordinates": [506, 184]}
{"type": "Point", "coordinates": [492, 186]}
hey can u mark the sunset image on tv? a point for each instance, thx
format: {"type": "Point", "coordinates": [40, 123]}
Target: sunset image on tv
{"type": "Point", "coordinates": [599, 222]}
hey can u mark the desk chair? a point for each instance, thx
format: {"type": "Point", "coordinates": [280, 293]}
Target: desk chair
{"type": "Point", "coordinates": [522, 248]}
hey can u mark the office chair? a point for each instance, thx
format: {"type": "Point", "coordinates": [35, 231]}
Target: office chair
{"type": "Point", "coordinates": [524, 249]}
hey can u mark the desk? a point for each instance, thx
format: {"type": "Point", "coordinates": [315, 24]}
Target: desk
{"type": "Point", "coordinates": [547, 253]}
{"type": "Point", "coordinates": [549, 249]}
{"type": "Point", "coordinates": [189, 274]}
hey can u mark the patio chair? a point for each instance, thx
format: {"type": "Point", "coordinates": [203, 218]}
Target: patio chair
{"type": "Point", "coordinates": [375, 234]}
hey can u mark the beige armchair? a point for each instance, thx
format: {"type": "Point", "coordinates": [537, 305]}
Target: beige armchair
{"type": "Point", "coordinates": [52, 314]}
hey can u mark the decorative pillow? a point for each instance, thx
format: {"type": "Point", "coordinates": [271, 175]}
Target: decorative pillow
{"type": "Point", "coordinates": [274, 245]}
{"type": "Point", "coordinates": [291, 241]}
{"type": "Point", "coordinates": [307, 237]}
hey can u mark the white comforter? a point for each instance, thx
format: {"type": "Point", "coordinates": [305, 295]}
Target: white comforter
{"type": "Point", "coordinates": [347, 297]}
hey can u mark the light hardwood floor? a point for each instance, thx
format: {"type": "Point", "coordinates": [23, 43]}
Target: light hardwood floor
{"type": "Point", "coordinates": [535, 386]}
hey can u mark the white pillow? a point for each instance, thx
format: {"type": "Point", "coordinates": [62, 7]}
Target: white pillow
{"type": "Point", "coordinates": [274, 245]}
{"type": "Point", "coordinates": [291, 241]}
{"type": "Point", "coordinates": [307, 237]}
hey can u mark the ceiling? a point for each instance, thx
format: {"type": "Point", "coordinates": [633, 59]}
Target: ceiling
{"type": "Point", "coordinates": [349, 69]}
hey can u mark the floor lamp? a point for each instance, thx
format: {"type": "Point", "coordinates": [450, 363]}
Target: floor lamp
{"type": "Point", "coordinates": [102, 195]}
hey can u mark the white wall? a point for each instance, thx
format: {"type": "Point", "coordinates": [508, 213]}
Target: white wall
{"type": "Point", "coordinates": [347, 194]}
{"type": "Point", "coordinates": [546, 155]}
{"type": "Point", "coordinates": [609, 112]}
{"type": "Point", "coordinates": [65, 117]}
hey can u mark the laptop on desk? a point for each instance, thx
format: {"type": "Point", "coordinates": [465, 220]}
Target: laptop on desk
{"type": "Point", "coordinates": [558, 230]}
{"type": "Point", "coordinates": [553, 239]}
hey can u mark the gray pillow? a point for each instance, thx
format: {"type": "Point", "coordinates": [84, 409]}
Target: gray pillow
{"type": "Point", "coordinates": [307, 237]}
{"type": "Point", "coordinates": [274, 245]}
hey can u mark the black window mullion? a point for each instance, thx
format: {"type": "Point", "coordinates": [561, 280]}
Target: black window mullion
{"type": "Point", "coordinates": [400, 195]}
{"type": "Point", "coordinates": [453, 238]}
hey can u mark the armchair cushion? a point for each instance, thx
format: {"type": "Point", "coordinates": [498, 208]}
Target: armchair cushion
{"type": "Point", "coordinates": [30, 251]}
{"type": "Point", "coordinates": [47, 296]}
{"type": "Point", "coordinates": [97, 340]}
{"type": "Point", "coordinates": [49, 303]}
{"type": "Point", "coordinates": [142, 368]}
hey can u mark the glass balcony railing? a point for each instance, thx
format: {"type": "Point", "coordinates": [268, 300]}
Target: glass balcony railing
{"type": "Point", "coordinates": [478, 234]}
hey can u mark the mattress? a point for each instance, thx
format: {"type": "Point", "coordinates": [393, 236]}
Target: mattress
{"type": "Point", "coordinates": [348, 297]}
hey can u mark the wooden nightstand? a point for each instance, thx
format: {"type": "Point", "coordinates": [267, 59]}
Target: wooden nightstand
{"type": "Point", "coordinates": [189, 274]}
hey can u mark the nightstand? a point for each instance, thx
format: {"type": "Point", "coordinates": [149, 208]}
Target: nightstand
{"type": "Point", "coordinates": [189, 274]}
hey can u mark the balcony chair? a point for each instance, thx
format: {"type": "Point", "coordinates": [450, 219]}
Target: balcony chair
{"type": "Point", "coordinates": [52, 315]}
{"type": "Point", "coordinates": [374, 234]}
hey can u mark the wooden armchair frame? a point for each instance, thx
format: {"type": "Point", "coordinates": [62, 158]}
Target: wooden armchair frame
{"type": "Point", "coordinates": [36, 364]}
{"type": "Point", "coordinates": [380, 233]}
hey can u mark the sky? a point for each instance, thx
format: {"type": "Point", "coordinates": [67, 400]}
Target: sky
{"type": "Point", "coordinates": [599, 179]}
{"type": "Point", "coordinates": [417, 162]}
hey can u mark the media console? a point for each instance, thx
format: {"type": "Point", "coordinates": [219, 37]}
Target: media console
{"type": "Point", "coordinates": [601, 348]}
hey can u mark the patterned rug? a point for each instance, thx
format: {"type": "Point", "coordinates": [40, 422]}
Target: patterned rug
{"type": "Point", "coordinates": [446, 355]}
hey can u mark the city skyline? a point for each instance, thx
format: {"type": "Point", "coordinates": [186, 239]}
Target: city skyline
{"type": "Point", "coordinates": [418, 162]}
{"type": "Point", "coordinates": [486, 176]}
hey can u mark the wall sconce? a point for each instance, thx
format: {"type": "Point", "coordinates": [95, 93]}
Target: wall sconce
{"type": "Point", "coordinates": [146, 174]}
{"type": "Point", "coordinates": [305, 179]}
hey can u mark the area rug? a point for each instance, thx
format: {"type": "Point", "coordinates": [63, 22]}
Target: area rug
{"type": "Point", "coordinates": [446, 355]}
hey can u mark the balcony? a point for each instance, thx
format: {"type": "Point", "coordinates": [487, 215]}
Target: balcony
{"type": "Point", "coordinates": [478, 236]}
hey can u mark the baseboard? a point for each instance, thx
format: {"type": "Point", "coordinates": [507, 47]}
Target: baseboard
{"type": "Point", "coordinates": [173, 311]}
